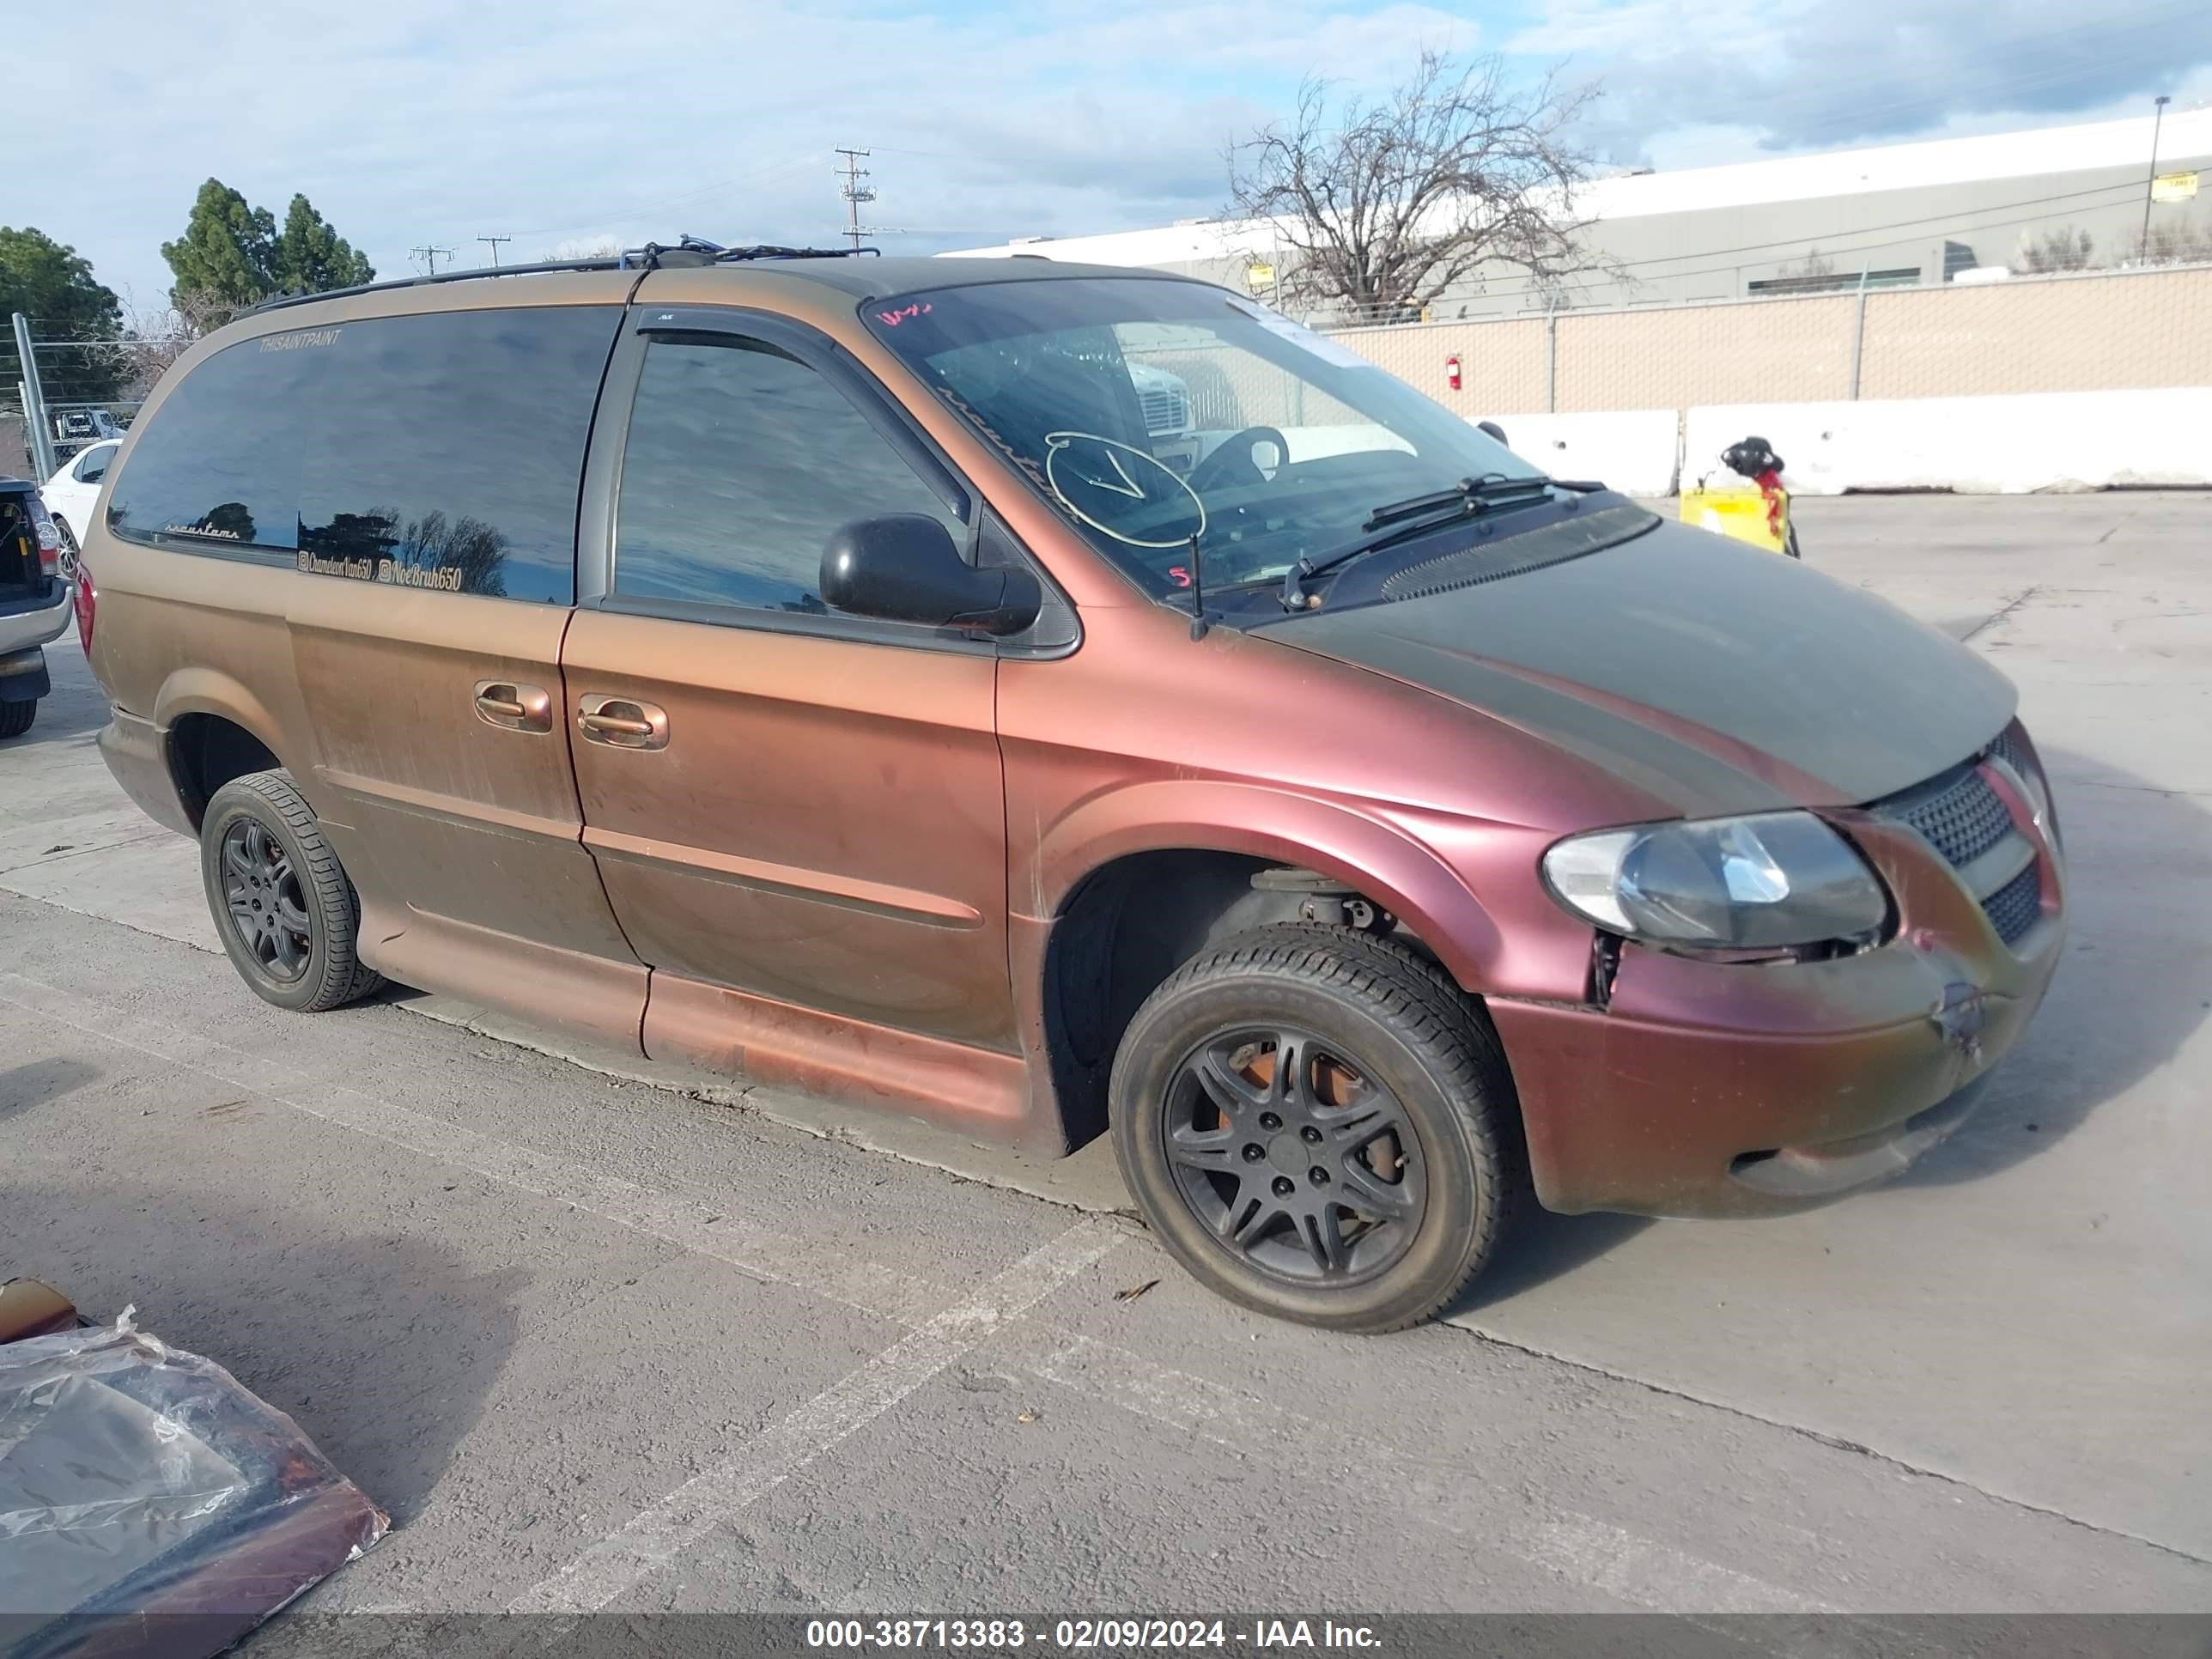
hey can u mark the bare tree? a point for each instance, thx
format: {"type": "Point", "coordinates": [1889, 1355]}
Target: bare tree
{"type": "Point", "coordinates": [2186, 243]}
{"type": "Point", "coordinates": [1815, 264]}
{"type": "Point", "coordinates": [154, 338]}
{"type": "Point", "coordinates": [1382, 206]}
{"type": "Point", "coordinates": [2065, 248]}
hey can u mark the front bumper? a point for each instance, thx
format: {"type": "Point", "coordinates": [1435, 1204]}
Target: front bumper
{"type": "Point", "coordinates": [1707, 1088]}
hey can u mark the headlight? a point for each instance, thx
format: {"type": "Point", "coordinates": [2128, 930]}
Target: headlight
{"type": "Point", "coordinates": [1779, 878]}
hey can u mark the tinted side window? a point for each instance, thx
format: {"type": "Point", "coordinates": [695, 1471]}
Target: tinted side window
{"type": "Point", "coordinates": [451, 445]}
{"type": "Point", "coordinates": [92, 467]}
{"type": "Point", "coordinates": [218, 466]}
{"type": "Point", "coordinates": [442, 451]}
{"type": "Point", "coordinates": [741, 463]}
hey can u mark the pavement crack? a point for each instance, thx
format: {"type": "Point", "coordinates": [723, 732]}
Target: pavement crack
{"type": "Point", "coordinates": [1839, 1441]}
{"type": "Point", "coordinates": [2002, 612]}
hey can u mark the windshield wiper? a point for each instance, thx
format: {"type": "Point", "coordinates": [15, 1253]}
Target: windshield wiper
{"type": "Point", "coordinates": [1418, 514]}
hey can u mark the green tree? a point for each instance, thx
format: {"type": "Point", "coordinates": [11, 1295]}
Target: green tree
{"type": "Point", "coordinates": [228, 250]}
{"type": "Point", "coordinates": [311, 258]}
{"type": "Point", "coordinates": [53, 285]}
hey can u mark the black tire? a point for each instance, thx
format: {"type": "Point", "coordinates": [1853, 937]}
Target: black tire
{"type": "Point", "coordinates": [1398, 1033]}
{"type": "Point", "coordinates": [283, 907]}
{"type": "Point", "coordinates": [16, 718]}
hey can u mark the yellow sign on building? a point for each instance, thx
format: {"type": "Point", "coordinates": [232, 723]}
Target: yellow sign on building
{"type": "Point", "coordinates": [2174, 187]}
{"type": "Point", "coordinates": [1259, 275]}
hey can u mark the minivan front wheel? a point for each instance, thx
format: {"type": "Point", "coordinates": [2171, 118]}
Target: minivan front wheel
{"type": "Point", "coordinates": [1319, 1126]}
{"type": "Point", "coordinates": [285, 910]}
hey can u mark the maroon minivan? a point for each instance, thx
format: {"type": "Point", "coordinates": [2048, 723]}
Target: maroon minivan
{"type": "Point", "coordinates": [1053, 701]}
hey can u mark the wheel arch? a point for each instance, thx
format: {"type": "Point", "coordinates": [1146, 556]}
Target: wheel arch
{"type": "Point", "coordinates": [1130, 886]}
{"type": "Point", "coordinates": [214, 730]}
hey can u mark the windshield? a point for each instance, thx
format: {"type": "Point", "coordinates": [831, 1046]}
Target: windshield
{"type": "Point", "coordinates": [1149, 412]}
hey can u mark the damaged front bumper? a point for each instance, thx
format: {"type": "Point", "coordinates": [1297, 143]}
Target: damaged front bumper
{"type": "Point", "coordinates": [1705, 1088]}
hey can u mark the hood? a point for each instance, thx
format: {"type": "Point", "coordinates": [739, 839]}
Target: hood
{"type": "Point", "coordinates": [1713, 676]}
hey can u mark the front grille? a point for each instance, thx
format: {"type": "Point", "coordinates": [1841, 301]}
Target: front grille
{"type": "Point", "coordinates": [1167, 409]}
{"type": "Point", "coordinates": [2015, 906]}
{"type": "Point", "coordinates": [2010, 752]}
{"type": "Point", "coordinates": [1964, 818]}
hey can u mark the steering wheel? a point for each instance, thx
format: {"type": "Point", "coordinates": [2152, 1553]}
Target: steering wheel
{"type": "Point", "coordinates": [1232, 463]}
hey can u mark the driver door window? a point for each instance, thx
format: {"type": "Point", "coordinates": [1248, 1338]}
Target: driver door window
{"type": "Point", "coordinates": [92, 467]}
{"type": "Point", "coordinates": [740, 464]}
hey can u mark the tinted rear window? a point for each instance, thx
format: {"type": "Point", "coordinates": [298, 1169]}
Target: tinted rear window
{"type": "Point", "coordinates": [441, 451]}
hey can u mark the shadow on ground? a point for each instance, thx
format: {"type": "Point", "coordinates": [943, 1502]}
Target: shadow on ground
{"type": "Point", "coordinates": [2134, 985]}
{"type": "Point", "coordinates": [1541, 1248]}
{"type": "Point", "coordinates": [379, 1345]}
{"type": "Point", "coordinates": [38, 1081]}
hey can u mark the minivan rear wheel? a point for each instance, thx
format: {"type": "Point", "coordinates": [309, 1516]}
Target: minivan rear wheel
{"type": "Point", "coordinates": [283, 905]}
{"type": "Point", "coordinates": [1318, 1125]}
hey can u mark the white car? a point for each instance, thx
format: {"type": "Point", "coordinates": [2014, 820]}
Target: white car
{"type": "Point", "coordinates": [70, 493]}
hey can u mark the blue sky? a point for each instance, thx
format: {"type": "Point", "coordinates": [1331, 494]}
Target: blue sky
{"type": "Point", "coordinates": [559, 123]}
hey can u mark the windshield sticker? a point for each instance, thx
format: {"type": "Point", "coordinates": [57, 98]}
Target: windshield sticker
{"type": "Point", "coordinates": [893, 318]}
{"type": "Point", "coordinates": [1101, 480]}
{"type": "Point", "coordinates": [1298, 335]}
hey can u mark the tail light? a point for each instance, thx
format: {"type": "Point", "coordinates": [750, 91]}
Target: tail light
{"type": "Point", "coordinates": [50, 539]}
{"type": "Point", "coordinates": [86, 601]}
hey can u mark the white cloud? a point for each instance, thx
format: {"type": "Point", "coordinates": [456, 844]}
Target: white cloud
{"type": "Point", "coordinates": [413, 122]}
{"type": "Point", "coordinates": [1816, 74]}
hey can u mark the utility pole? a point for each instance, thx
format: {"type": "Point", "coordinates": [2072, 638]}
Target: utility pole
{"type": "Point", "coordinates": [431, 256]}
{"type": "Point", "coordinates": [2150, 185]}
{"type": "Point", "coordinates": [854, 191]}
{"type": "Point", "coordinates": [494, 242]}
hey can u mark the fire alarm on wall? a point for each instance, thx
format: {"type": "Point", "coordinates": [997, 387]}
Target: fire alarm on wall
{"type": "Point", "coordinates": [1451, 370]}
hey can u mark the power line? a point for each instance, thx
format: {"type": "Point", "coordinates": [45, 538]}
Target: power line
{"type": "Point", "coordinates": [494, 242]}
{"type": "Point", "coordinates": [854, 191]}
{"type": "Point", "coordinates": [430, 256]}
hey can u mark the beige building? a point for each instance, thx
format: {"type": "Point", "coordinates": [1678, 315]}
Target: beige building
{"type": "Point", "coordinates": [1901, 215]}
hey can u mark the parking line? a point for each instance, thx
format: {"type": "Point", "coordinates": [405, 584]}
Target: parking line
{"type": "Point", "coordinates": [1581, 1549]}
{"type": "Point", "coordinates": [693, 1225]}
{"type": "Point", "coordinates": [655, 1538]}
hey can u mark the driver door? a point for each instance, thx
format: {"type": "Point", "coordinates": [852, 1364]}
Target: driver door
{"type": "Point", "coordinates": [792, 809]}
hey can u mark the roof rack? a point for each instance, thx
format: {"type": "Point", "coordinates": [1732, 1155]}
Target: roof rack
{"type": "Point", "coordinates": [686, 250]}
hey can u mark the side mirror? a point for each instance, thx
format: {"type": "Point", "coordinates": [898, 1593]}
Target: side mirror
{"type": "Point", "coordinates": [1493, 431]}
{"type": "Point", "coordinates": [904, 567]}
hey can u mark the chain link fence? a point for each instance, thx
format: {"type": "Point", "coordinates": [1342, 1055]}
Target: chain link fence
{"type": "Point", "coordinates": [2088, 331]}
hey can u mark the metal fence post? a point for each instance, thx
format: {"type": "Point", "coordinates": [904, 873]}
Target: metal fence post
{"type": "Point", "coordinates": [39, 436]}
{"type": "Point", "coordinates": [1858, 335]}
{"type": "Point", "coordinates": [1552, 356]}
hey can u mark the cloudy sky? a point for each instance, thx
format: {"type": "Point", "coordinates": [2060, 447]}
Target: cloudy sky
{"type": "Point", "coordinates": [413, 122]}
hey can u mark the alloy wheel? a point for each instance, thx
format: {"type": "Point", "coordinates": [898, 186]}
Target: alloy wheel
{"type": "Point", "coordinates": [268, 911]}
{"type": "Point", "coordinates": [1294, 1156]}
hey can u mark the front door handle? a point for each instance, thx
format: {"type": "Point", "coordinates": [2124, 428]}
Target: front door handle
{"type": "Point", "coordinates": [514, 707]}
{"type": "Point", "coordinates": [623, 722]}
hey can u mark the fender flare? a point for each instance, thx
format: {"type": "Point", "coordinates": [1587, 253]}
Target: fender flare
{"type": "Point", "coordinates": [202, 690]}
{"type": "Point", "coordinates": [1377, 858]}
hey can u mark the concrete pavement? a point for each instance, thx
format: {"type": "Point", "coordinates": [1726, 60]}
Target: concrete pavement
{"type": "Point", "coordinates": [599, 1339]}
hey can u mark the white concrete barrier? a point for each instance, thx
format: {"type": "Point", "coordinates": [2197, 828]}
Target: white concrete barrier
{"type": "Point", "coordinates": [2055, 440]}
{"type": "Point", "coordinates": [1633, 450]}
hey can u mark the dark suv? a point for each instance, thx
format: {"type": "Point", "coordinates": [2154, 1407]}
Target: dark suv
{"type": "Point", "coordinates": [820, 668]}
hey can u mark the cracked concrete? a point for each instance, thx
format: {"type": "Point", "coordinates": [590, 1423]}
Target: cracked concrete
{"type": "Point", "coordinates": [524, 1290]}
